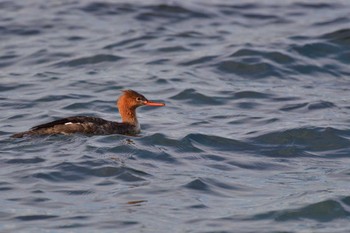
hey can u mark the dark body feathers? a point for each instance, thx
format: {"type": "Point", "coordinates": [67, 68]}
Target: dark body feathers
{"type": "Point", "coordinates": [80, 124]}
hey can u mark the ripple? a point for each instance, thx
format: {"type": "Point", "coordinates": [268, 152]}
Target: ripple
{"type": "Point", "coordinates": [124, 173]}
{"type": "Point", "coordinates": [251, 69]}
{"type": "Point", "coordinates": [341, 37]}
{"type": "Point", "coordinates": [318, 105]}
{"type": "Point", "coordinates": [129, 177]}
{"type": "Point", "coordinates": [251, 95]}
{"type": "Point", "coordinates": [291, 107]}
{"type": "Point", "coordinates": [192, 96]}
{"type": "Point", "coordinates": [218, 143]}
{"type": "Point", "coordinates": [70, 172]}
{"type": "Point", "coordinates": [35, 217]}
{"type": "Point", "coordinates": [104, 8]}
{"type": "Point", "coordinates": [315, 5]}
{"type": "Point", "coordinates": [167, 11]}
{"type": "Point", "coordinates": [131, 41]}
{"type": "Point", "coordinates": [26, 161]}
{"type": "Point", "coordinates": [157, 154]}
{"type": "Point", "coordinates": [179, 146]}
{"type": "Point", "coordinates": [323, 211]}
{"type": "Point", "coordinates": [277, 57]}
{"type": "Point", "coordinates": [13, 86]}
{"type": "Point", "coordinates": [200, 60]}
{"type": "Point", "coordinates": [317, 50]}
{"type": "Point", "coordinates": [115, 224]}
{"type": "Point", "coordinates": [198, 184]}
{"type": "Point", "coordinates": [20, 30]}
{"type": "Point", "coordinates": [8, 60]}
{"type": "Point", "coordinates": [213, 186]}
{"type": "Point", "coordinates": [96, 59]}
{"type": "Point", "coordinates": [5, 186]}
{"type": "Point", "coordinates": [171, 49]}
{"type": "Point", "coordinates": [73, 225]}
{"type": "Point", "coordinates": [75, 192]}
{"type": "Point", "coordinates": [57, 176]}
{"type": "Point", "coordinates": [344, 57]}
{"type": "Point", "coordinates": [296, 142]}
{"type": "Point", "coordinates": [321, 105]}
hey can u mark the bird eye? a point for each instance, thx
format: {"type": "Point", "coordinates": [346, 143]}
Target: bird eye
{"type": "Point", "coordinates": [138, 99]}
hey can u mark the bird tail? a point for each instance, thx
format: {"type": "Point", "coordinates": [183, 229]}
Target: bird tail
{"type": "Point", "coordinates": [20, 135]}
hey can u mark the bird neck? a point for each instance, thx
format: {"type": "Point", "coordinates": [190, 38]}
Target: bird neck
{"type": "Point", "coordinates": [128, 115]}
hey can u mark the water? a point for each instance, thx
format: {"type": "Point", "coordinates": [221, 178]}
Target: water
{"type": "Point", "coordinates": [254, 137]}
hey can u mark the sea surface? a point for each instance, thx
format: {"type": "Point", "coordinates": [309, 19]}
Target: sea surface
{"type": "Point", "coordinates": [254, 137]}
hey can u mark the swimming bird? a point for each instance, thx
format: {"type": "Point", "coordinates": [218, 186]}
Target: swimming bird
{"type": "Point", "coordinates": [126, 103]}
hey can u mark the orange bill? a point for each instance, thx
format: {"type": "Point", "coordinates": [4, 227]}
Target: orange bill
{"type": "Point", "coordinates": [151, 103]}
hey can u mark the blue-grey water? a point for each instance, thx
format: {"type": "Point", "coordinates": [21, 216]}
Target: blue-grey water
{"type": "Point", "coordinates": [255, 136]}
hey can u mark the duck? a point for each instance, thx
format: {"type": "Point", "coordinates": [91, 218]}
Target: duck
{"type": "Point", "coordinates": [127, 104]}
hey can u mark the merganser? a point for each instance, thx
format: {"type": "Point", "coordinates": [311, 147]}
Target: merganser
{"type": "Point", "coordinates": [127, 104]}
